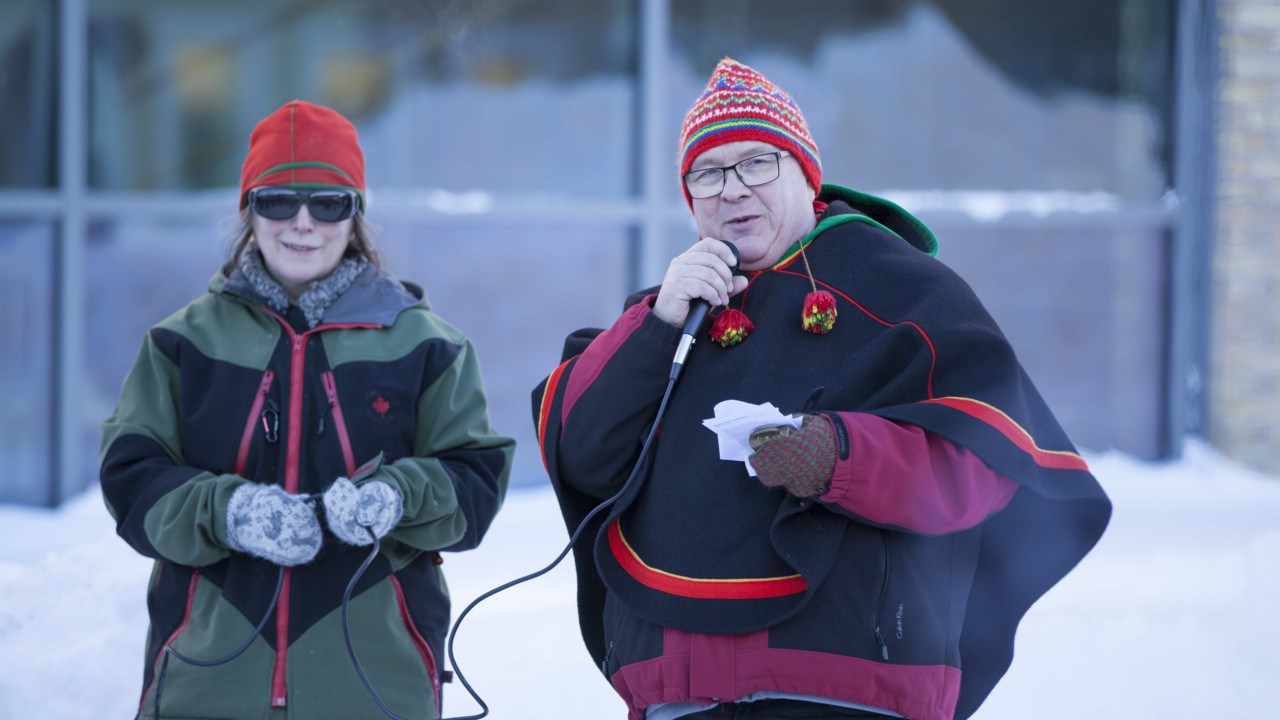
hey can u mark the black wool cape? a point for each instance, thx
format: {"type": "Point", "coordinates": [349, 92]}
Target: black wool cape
{"type": "Point", "coordinates": [911, 344]}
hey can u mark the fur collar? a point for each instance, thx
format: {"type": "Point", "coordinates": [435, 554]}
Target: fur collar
{"type": "Point", "coordinates": [318, 296]}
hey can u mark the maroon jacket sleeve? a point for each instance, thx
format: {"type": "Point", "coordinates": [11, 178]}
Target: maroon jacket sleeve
{"type": "Point", "coordinates": [899, 475]}
{"type": "Point", "coordinates": [611, 397]}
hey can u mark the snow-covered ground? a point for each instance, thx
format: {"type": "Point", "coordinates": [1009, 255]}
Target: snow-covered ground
{"type": "Point", "coordinates": [1174, 615]}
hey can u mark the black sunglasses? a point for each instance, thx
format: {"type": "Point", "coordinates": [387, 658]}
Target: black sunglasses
{"type": "Point", "coordinates": [275, 203]}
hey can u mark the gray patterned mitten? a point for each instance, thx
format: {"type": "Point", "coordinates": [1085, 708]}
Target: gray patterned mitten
{"type": "Point", "coordinates": [266, 521]}
{"type": "Point", "coordinates": [355, 512]}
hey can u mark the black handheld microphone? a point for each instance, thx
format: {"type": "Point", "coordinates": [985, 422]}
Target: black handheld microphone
{"type": "Point", "coordinates": [698, 309]}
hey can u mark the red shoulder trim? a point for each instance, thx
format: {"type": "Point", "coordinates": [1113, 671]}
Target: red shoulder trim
{"type": "Point", "coordinates": [544, 410]}
{"type": "Point", "coordinates": [996, 418]}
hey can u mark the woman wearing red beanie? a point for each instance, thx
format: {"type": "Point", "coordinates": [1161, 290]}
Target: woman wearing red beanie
{"type": "Point", "coordinates": [308, 408]}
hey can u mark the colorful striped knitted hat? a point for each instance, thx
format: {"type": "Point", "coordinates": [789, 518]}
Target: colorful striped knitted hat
{"type": "Point", "coordinates": [741, 104]}
{"type": "Point", "coordinates": [304, 146]}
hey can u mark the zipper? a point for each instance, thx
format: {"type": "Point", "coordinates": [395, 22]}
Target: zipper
{"type": "Point", "coordinates": [331, 390]}
{"type": "Point", "coordinates": [173, 637]}
{"type": "Point", "coordinates": [604, 663]}
{"type": "Point", "coordinates": [884, 591]}
{"type": "Point", "coordinates": [297, 360]}
{"type": "Point", "coordinates": [424, 649]}
{"type": "Point", "coordinates": [293, 445]}
{"type": "Point", "coordinates": [246, 438]}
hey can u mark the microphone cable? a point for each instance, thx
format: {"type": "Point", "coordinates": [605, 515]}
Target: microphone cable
{"type": "Point", "coordinates": [346, 628]}
{"type": "Point", "coordinates": [168, 650]}
{"type": "Point", "coordinates": [698, 309]}
{"type": "Point", "coordinates": [573, 539]}
{"type": "Point", "coordinates": [697, 314]}
{"type": "Point", "coordinates": [373, 554]}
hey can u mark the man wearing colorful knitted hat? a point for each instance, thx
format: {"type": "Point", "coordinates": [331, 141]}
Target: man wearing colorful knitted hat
{"type": "Point", "coordinates": [873, 557]}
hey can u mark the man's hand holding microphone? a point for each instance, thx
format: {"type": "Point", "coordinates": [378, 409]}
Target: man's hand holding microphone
{"type": "Point", "coordinates": [706, 272]}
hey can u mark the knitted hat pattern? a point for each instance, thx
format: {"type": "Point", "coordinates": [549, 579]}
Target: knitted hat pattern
{"type": "Point", "coordinates": [303, 145]}
{"type": "Point", "coordinates": [740, 105]}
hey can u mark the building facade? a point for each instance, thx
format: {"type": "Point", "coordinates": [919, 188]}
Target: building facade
{"type": "Point", "coordinates": [1245, 360]}
{"type": "Point", "coordinates": [521, 163]}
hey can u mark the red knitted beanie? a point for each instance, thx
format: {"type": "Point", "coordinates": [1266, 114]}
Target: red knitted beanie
{"type": "Point", "coordinates": [738, 105]}
{"type": "Point", "coordinates": [304, 146]}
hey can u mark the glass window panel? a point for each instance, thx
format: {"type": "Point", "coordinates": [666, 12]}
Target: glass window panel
{"type": "Point", "coordinates": [28, 94]}
{"type": "Point", "coordinates": [1090, 332]}
{"type": "Point", "coordinates": [496, 282]}
{"type": "Point", "coordinates": [516, 290]}
{"type": "Point", "coordinates": [139, 271]}
{"type": "Point", "coordinates": [27, 397]}
{"type": "Point", "coordinates": [494, 95]}
{"type": "Point", "coordinates": [957, 94]}
{"type": "Point", "coordinates": [1023, 99]}
{"type": "Point", "coordinates": [678, 235]}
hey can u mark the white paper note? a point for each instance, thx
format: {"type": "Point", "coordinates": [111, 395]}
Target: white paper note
{"type": "Point", "coordinates": [734, 422]}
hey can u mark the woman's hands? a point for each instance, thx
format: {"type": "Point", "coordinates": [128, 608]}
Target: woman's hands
{"type": "Point", "coordinates": [357, 515]}
{"type": "Point", "coordinates": [267, 522]}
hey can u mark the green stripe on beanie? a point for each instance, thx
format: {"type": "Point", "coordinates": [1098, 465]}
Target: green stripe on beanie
{"type": "Point", "coordinates": [303, 145]}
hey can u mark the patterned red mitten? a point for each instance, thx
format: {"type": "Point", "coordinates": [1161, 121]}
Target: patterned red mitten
{"type": "Point", "coordinates": [798, 459]}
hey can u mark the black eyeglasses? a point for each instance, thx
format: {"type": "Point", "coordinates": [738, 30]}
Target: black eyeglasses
{"type": "Point", "coordinates": [755, 170]}
{"type": "Point", "coordinates": [275, 203]}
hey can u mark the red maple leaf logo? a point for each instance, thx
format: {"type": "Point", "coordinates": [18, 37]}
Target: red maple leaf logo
{"type": "Point", "coordinates": [381, 405]}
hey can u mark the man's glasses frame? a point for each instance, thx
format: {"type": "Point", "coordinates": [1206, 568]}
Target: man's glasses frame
{"type": "Point", "coordinates": [753, 171]}
{"type": "Point", "coordinates": [324, 205]}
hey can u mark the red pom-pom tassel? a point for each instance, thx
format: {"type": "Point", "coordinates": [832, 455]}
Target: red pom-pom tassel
{"type": "Point", "coordinates": [731, 327]}
{"type": "Point", "coordinates": [819, 314]}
